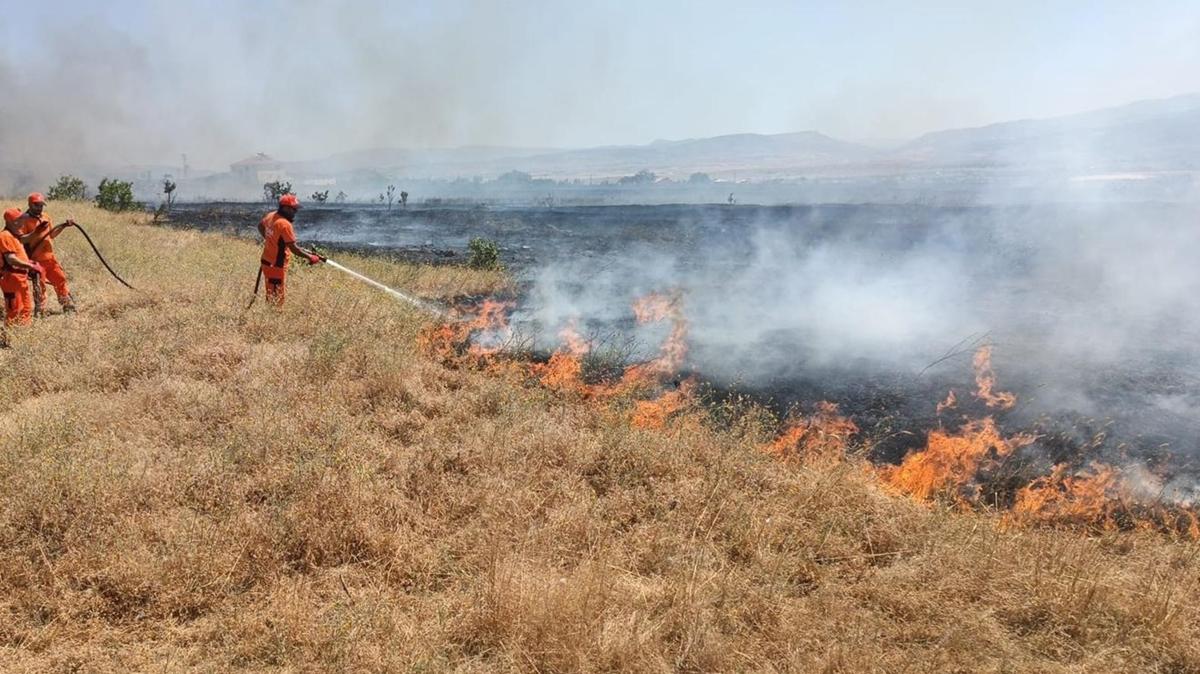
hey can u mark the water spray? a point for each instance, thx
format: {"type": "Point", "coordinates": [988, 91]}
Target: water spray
{"type": "Point", "coordinates": [404, 297]}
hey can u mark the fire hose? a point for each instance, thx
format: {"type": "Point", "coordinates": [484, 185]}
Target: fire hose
{"type": "Point", "coordinates": [36, 278]}
{"type": "Point", "coordinates": [39, 281]}
{"type": "Point", "coordinates": [101, 257]}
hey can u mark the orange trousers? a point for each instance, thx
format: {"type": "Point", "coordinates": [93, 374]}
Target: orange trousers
{"type": "Point", "coordinates": [276, 284]}
{"type": "Point", "coordinates": [54, 276]}
{"type": "Point", "coordinates": [18, 309]}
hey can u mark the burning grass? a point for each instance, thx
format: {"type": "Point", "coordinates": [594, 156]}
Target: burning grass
{"type": "Point", "coordinates": [185, 485]}
{"type": "Point", "coordinates": [968, 467]}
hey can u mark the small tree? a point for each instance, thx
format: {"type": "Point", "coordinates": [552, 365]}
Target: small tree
{"type": "Point", "coordinates": [116, 195]}
{"type": "Point", "coordinates": [391, 195]}
{"type": "Point", "coordinates": [68, 188]}
{"type": "Point", "coordinates": [485, 254]}
{"type": "Point", "coordinates": [320, 197]}
{"type": "Point", "coordinates": [699, 179]}
{"type": "Point", "coordinates": [275, 189]}
{"type": "Point", "coordinates": [340, 198]}
{"type": "Point", "coordinates": [381, 197]}
{"type": "Point", "coordinates": [169, 190]}
{"type": "Point", "coordinates": [403, 199]}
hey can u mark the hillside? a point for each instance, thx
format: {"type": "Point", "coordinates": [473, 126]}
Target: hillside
{"type": "Point", "coordinates": [1151, 135]}
{"type": "Point", "coordinates": [1146, 135]}
{"type": "Point", "coordinates": [186, 484]}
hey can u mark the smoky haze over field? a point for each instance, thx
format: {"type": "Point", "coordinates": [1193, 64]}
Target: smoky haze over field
{"type": "Point", "coordinates": [133, 83]}
{"type": "Point", "coordinates": [1092, 311]}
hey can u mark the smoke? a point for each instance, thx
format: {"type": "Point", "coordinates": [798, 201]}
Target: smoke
{"type": "Point", "coordinates": [118, 85]}
{"type": "Point", "coordinates": [124, 83]}
{"type": "Point", "coordinates": [1093, 311]}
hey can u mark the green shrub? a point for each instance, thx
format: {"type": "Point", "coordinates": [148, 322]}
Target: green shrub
{"type": "Point", "coordinates": [116, 195]}
{"type": "Point", "coordinates": [68, 188]}
{"type": "Point", "coordinates": [485, 254]}
{"type": "Point", "coordinates": [275, 189]}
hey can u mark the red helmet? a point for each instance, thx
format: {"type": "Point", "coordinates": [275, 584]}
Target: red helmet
{"type": "Point", "coordinates": [36, 198]}
{"type": "Point", "coordinates": [289, 200]}
{"type": "Point", "coordinates": [11, 215]}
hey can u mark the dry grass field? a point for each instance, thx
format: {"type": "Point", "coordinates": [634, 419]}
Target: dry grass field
{"type": "Point", "coordinates": [186, 485]}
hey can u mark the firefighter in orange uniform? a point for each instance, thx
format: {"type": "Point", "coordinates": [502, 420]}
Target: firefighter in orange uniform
{"type": "Point", "coordinates": [14, 274]}
{"type": "Point", "coordinates": [34, 230]}
{"type": "Point", "coordinates": [279, 243]}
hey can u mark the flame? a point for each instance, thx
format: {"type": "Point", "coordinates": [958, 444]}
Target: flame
{"type": "Point", "coordinates": [489, 331]}
{"type": "Point", "coordinates": [822, 436]}
{"type": "Point", "coordinates": [564, 371]}
{"type": "Point", "coordinates": [480, 334]}
{"type": "Point", "coordinates": [1087, 498]}
{"type": "Point", "coordinates": [653, 308]}
{"type": "Point", "coordinates": [950, 462]}
{"type": "Point", "coordinates": [1100, 497]}
{"type": "Point", "coordinates": [954, 464]}
{"type": "Point", "coordinates": [654, 413]}
{"type": "Point", "coordinates": [440, 341]}
{"type": "Point", "coordinates": [949, 403]}
{"type": "Point", "coordinates": [985, 379]}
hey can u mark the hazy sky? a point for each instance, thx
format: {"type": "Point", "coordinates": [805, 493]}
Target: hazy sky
{"type": "Point", "coordinates": [144, 81]}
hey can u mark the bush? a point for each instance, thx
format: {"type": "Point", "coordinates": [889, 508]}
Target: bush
{"type": "Point", "coordinates": [116, 195]}
{"type": "Point", "coordinates": [485, 254]}
{"type": "Point", "coordinates": [68, 188]}
{"type": "Point", "coordinates": [275, 189]}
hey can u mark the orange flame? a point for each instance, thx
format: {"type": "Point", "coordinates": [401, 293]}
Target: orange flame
{"type": "Point", "coordinates": [492, 320]}
{"type": "Point", "coordinates": [950, 462]}
{"type": "Point", "coordinates": [564, 371]}
{"type": "Point", "coordinates": [650, 309]}
{"type": "Point", "coordinates": [1087, 499]}
{"type": "Point", "coordinates": [985, 379]}
{"type": "Point", "coordinates": [949, 403]}
{"type": "Point", "coordinates": [822, 436]}
{"type": "Point", "coordinates": [1100, 497]}
{"type": "Point", "coordinates": [448, 342]}
{"type": "Point", "coordinates": [654, 413]}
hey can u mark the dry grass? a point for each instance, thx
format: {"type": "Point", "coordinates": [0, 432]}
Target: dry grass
{"type": "Point", "coordinates": [184, 485]}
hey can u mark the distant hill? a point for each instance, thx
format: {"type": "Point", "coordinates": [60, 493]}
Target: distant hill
{"type": "Point", "coordinates": [803, 150]}
{"type": "Point", "coordinates": [1158, 135]}
{"type": "Point", "coordinates": [776, 152]}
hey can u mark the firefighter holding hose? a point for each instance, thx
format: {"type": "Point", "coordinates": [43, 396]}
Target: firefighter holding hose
{"type": "Point", "coordinates": [279, 243]}
{"type": "Point", "coordinates": [14, 273]}
{"type": "Point", "coordinates": [36, 233]}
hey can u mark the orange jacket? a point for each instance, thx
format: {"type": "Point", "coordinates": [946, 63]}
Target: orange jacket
{"type": "Point", "coordinates": [39, 247]}
{"type": "Point", "coordinates": [9, 245]}
{"type": "Point", "coordinates": [277, 237]}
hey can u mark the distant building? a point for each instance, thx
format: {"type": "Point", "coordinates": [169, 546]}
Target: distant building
{"type": "Point", "coordinates": [258, 169]}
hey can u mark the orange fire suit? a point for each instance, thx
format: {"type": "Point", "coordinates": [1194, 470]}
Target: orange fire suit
{"type": "Point", "coordinates": [18, 310]}
{"type": "Point", "coordinates": [278, 236]}
{"type": "Point", "coordinates": [41, 250]}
